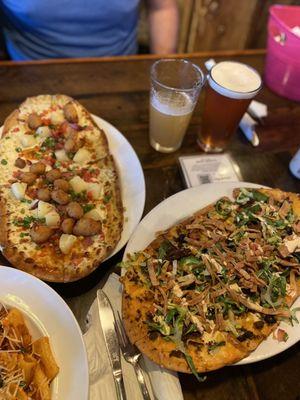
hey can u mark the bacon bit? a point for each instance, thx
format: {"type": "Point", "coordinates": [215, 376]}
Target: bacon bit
{"type": "Point", "coordinates": [59, 146]}
{"type": "Point", "coordinates": [87, 241]}
{"type": "Point", "coordinates": [280, 335]}
{"type": "Point", "coordinates": [89, 195]}
{"type": "Point", "coordinates": [17, 174]}
{"type": "Point", "coordinates": [67, 175]}
{"type": "Point", "coordinates": [31, 192]}
{"type": "Point", "coordinates": [152, 274]}
{"type": "Point", "coordinates": [15, 129]}
{"type": "Point", "coordinates": [46, 121]}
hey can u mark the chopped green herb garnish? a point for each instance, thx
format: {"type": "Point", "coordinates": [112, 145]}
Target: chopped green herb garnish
{"type": "Point", "coordinates": [106, 198]}
{"type": "Point", "coordinates": [3, 161]}
{"type": "Point", "coordinates": [18, 149]}
{"type": "Point", "coordinates": [27, 221]}
{"type": "Point", "coordinates": [88, 207]}
{"type": "Point", "coordinates": [26, 201]}
{"type": "Point", "coordinates": [49, 143]}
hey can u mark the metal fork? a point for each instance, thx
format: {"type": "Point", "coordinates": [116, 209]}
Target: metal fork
{"type": "Point", "coordinates": [131, 355]}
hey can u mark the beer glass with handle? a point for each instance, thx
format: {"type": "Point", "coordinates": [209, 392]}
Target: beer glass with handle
{"type": "Point", "coordinates": [230, 89]}
{"type": "Point", "coordinates": [175, 87]}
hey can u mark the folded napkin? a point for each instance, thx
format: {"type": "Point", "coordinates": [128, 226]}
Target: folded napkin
{"type": "Point", "coordinates": [161, 383]}
{"type": "Point", "coordinates": [247, 125]}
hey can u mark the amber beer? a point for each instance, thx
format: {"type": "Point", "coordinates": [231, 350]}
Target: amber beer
{"type": "Point", "coordinates": [231, 87]}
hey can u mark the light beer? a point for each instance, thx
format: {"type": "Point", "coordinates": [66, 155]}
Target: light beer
{"type": "Point", "coordinates": [175, 87]}
{"type": "Point", "coordinates": [169, 120]}
{"type": "Point", "coordinates": [231, 87]}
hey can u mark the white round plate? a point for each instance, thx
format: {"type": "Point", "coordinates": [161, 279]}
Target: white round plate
{"type": "Point", "coordinates": [131, 179]}
{"type": "Point", "coordinates": [180, 206]}
{"type": "Point", "coordinates": [48, 315]}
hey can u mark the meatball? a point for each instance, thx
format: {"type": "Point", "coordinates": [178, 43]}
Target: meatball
{"type": "Point", "coordinates": [40, 233]}
{"type": "Point", "coordinates": [28, 177]}
{"type": "Point", "coordinates": [53, 174]}
{"type": "Point", "coordinates": [67, 225]}
{"type": "Point", "coordinates": [44, 194]}
{"type": "Point", "coordinates": [74, 210]}
{"type": "Point", "coordinates": [60, 197]}
{"type": "Point", "coordinates": [38, 168]}
{"type": "Point", "coordinates": [20, 163]}
{"type": "Point", "coordinates": [70, 113]}
{"type": "Point", "coordinates": [62, 184]}
{"type": "Point", "coordinates": [86, 227]}
{"type": "Point", "coordinates": [34, 121]}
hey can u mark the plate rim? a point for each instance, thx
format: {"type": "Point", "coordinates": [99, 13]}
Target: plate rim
{"type": "Point", "coordinates": [61, 302]}
{"type": "Point", "coordinates": [237, 184]}
{"type": "Point", "coordinates": [118, 132]}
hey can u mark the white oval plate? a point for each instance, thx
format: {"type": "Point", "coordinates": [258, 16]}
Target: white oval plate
{"type": "Point", "coordinates": [131, 179]}
{"type": "Point", "coordinates": [48, 315]}
{"type": "Point", "coordinates": [180, 206]}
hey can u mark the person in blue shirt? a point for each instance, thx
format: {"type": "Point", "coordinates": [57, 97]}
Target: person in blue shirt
{"type": "Point", "coordinates": [41, 29]}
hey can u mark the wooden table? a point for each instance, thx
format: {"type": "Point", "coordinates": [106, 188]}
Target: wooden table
{"type": "Point", "coordinates": [117, 90]}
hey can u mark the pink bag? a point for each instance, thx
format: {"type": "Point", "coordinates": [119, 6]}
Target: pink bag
{"type": "Point", "coordinates": [282, 71]}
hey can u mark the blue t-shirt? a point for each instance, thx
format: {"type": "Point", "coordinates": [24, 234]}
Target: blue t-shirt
{"type": "Point", "coordinates": [37, 29]}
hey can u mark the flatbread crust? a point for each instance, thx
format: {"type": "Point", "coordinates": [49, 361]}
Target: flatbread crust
{"type": "Point", "coordinates": [138, 300]}
{"type": "Point", "coordinates": [48, 263]}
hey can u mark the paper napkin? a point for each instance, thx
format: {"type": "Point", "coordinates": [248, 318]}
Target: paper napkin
{"type": "Point", "coordinates": [161, 383]}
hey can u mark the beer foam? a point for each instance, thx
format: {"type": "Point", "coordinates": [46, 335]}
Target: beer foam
{"type": "Point", "coordinates": [234, 80]}
{"type": "Point", "coordinates": [178, 104]}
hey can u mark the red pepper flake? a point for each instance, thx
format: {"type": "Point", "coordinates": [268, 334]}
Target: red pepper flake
{"type": "Point", "coordinates": [31, 192]}
{"type": "Point", "coordinates": [17, 174]}
{"type": "Point", "coordinates": [87, 241]}
{"type": "Point", "coordinates": [16, 129]}
{"type": "Point", "coordinates": [59, 146]}
{"type": "Point", "coordinates": [46, 121]}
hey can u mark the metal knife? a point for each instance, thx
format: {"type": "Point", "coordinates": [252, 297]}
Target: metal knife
{"type": "Point", "coordinates": [107, 320]}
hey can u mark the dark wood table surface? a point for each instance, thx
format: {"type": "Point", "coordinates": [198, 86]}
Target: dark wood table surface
{"type": "Point", "coordinates": [117, 89]}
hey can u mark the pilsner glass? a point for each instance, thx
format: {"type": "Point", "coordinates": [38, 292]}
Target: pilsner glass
{"type": "Point", "coordinates": [231, 87]}
{"type": "Point", "coordinates": [175, 87]}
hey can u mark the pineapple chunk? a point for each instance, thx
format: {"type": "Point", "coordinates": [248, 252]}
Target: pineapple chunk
{"type": "Point", "coordinates": [43, 131]}
{"type": "Point", "coordinates": [82, 156]}
{"type": "Point", "coordinates": [66, 242]}
{"type": "Point", "coordinates": [61, 155]}
{"type": "Point", "coordinates": [78, 184]}
{"type": "Point", "coordinates": [57, 117]}
{"type": "Point", "coordinates": [94, 214]}
{"type": "Point", "coordinates": [18, 190]}
{"type": "Point", "coordinates": [52, 218]}
{"type": "Point", "coordinates": [43, 209]}
{"type": "Point", "coordinates": [27, 140]}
